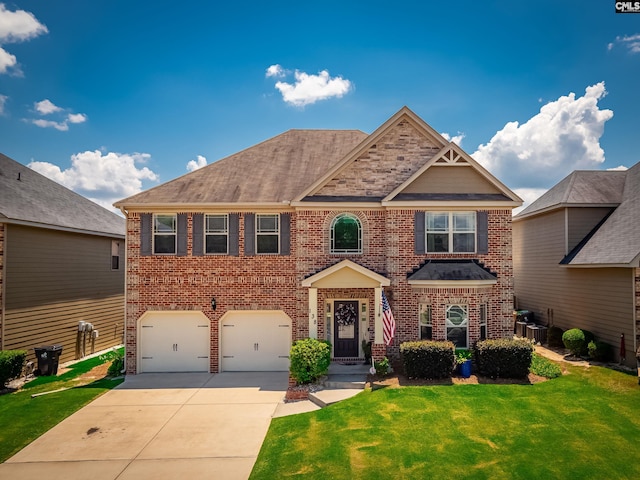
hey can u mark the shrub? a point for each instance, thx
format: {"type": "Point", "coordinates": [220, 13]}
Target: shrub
{"type": "Point", "coordinates": [382, 367]}
{"type": "Point", "coordinates": [554, 337]}
{"type": "Point", "coordinates": [599, 351]}
{"type": "Point", "coordinates": [504, 358]}
{"type": "Point", "coordinates": [544, 367]}
{"type": "Point", "coordinates": [428, 359]}
{"type": "Point", "coordinates": [11, 364]}
{"type": "Point", "coordinates": [462, 355]}
{"type": "Point", "coordinates": [574, 340]}
{"type": "Point", "coordinates": [310, 359]}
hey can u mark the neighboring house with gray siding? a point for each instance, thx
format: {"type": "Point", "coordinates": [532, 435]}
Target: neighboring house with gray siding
{"type": "Point", "coordinates": [576, 256]}
{"type": "Point", "coordinates": [61, 262]}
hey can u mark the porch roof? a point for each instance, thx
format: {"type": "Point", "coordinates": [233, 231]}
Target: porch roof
{"type": "Point", "coordinates": [346, 274]}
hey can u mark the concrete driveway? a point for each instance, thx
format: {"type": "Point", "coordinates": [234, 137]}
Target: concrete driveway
{"type": "Point", "coordinates": [160, 426]}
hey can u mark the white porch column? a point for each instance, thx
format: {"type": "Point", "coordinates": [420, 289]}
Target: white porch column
{"type": "Point", "coordinates": [378, 337]}
{"type": "Point", "coordinates": [313, 313]}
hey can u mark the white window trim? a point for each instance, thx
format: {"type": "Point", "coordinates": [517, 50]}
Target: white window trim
{"type": "Point", "coordinates": [258, 233]}
{"type": "Point", "coordinates": [226, 232]}
{"type": "Point", "coordinates": [450, 231]}
{"type": "Point", "coordinates": [165, 234]}
{"type": "Point", "coordinates": [465, 324]}
{"type": "Point", "coordinates": [332, 239]}
{"type": "Point", "coordinates": [425, 308]}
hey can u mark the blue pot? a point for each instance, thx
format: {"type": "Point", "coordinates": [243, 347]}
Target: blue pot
{"type": "Point", "coordinates": [465, 369]}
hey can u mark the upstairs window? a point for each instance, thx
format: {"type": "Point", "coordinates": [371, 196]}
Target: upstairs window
{"type": "Point", "coordinates": [450, 232]}
{"type": "Point", "coordinates": [267, 233]}
{"type": "Point", "coordinates": [346, 234]}
{"type": "Point", "coordinates": [217, 234]}
{"type": "Point", "coordinates": [164, 234]}
{"type": "Point", "coordinates": [115, 255]}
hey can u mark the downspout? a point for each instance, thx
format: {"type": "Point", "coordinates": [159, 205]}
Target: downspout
{"type": "Point", "coordinates": [3, 286]}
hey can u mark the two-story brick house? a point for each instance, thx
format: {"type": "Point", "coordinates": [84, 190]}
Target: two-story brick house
{"type": "Point", "coordinates": [298, 237]}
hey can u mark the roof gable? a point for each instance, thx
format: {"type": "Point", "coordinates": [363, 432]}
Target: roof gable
{"type": "Point", "coordinates": [452, 174]}
{"type": "Point", "coordinates": [28, 198]}
{"type": "Point", "coordinates": [385, 159]}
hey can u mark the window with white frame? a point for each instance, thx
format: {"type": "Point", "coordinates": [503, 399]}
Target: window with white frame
{"type": "Point", "coordinates": [346, 234]}
{"type": "Point", "coordinates": [457, 322]}
{"type": "Point", "coordinates": [164, 233]}
{"type": "Point", "coordinates": [451, 232]}
{"type": "Point", "coordinates": [267, 233]}
{"type": "Point", "coordinates": [216, 233]}
{"type": "Point", "coordinates": [483, 321]}
{"type": "Point", "coordinates": [425, 321]}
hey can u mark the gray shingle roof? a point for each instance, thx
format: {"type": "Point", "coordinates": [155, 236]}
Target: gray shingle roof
{"type": "Point", "coordinates": [275, 170]}
{"type": "Point", "coordinates": [617, 241]}
{"type": "Point", "coordinates": [442, 270]}
{"type": "Point", "coordinates": [30, 198]}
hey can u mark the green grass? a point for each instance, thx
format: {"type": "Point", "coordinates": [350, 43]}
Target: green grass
{"type": "Point", "coordinates": [544, 367]}
{"type": "Point", "coordinates": [583, 425]}
{"type": "Point", "coordinates": [23, 419]}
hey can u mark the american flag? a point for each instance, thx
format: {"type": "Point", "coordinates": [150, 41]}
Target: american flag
{"type": "Point", "coordinates": [388, 322]}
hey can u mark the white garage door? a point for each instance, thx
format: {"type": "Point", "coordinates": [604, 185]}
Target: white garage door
{"type": "Point", "coordinates": [255, 341]}
{"type": "Point", "coordinates": [174, 342]}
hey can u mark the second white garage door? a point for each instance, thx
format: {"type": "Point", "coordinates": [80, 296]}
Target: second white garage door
{"type": "Point", "coordinates": [255, 341]}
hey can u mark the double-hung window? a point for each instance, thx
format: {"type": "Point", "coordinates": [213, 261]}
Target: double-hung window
{"type": "Point", "coordinates": [267, 233]}
{"type": "Point", "coordinates": [164, 233]}
{"type": "Point", "coordinates": [451, 232]}
{"type": "Point", "coordinates": [216, 234]}
{"type": "Point", "coordinates": [483, 321]}
{"type": "Point", "coordinates": [426, 324]}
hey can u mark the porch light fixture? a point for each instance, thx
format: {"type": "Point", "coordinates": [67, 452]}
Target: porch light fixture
{"type": "Point", "coordinates": [213, 303]}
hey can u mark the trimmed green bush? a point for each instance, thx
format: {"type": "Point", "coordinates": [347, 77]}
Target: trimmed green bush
{"type": "Point", "coordinates": [544, 367]}
{"type": "Point", "coordinates": [599, 351]}
{"type": "Point", "coordinates": [428, 359]}
{"type": "Point", "coordinates": [574, 340]}
{"type": "Point", "coordinates": [11, 364]}
{"type": "Point", "coordinates": [310, 359]}
{"type": "Point", "coordinates": [554, 337]}
{"type": "Point", "coordinates": [382, 367]}
{"type": "Point", "coordinates": [503, 358]}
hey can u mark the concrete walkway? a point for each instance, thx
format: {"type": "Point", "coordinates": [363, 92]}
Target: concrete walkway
{"type": "Point", "coordinates": [160, 426]}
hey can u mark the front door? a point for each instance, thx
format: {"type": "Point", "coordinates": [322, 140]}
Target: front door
{"type": "Point", "coordinates": [345, 327]}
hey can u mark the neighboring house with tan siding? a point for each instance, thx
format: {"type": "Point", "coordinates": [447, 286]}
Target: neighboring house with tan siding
{"type": "Point", "coordinates": [576, 256]}
{"type": "Point", "coordinates": [298, 237]}
{"type": "Point", "coordinates": [61, 262]}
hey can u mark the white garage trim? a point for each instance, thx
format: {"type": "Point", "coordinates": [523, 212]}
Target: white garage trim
{"type": "Point", "coordinates": [254, 340]}
{"type": "Point", "coordinates": [173, 341]}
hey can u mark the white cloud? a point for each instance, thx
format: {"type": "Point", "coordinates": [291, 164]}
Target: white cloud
{"type": "Point", "coordinates": [619, 168]}
{"type": "Point", "coordinates": [103, 178]}
{"type": "Point", "coordinates": [528, 195]}
{"type": "Point", "coordinates": [46, 106]}
{"type": "Point", "coordinates": [563, 137]}
{"type": "Point", "coordinates": [3, 102]}
{"type": "Point", "coordinates": [42, 123]}
{"type": "Point", "coordinates": [457, 139]}
{"type": "Point", "coordinates": [630, 42]}
{"type": "Point", "coordinates": [16, 26]}
{"type": "Point", "coordinates": [7, 61]}
{"type": "Point", "coordinates": [194, 165]}
{"type": "Point", "coordinates": [275, 71]}
{"type": "Point", "coordinates": [309, 89]}
{"type": "Point", "coordinates": [77, 118]}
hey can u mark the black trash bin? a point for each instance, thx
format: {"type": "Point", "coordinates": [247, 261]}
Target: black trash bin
{"type": "Point", "coordinates": [48, 357]}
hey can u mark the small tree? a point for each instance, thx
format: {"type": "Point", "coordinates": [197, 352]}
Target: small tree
{"type": "Point", "coordinates": [310, 359]}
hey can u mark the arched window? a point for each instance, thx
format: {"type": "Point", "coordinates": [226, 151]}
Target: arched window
{"type": "Point", "coordinates": [346, 234]}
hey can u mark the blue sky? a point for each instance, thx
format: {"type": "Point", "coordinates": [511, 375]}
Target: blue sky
{"type": "Point", "coordinates": [112, 97]}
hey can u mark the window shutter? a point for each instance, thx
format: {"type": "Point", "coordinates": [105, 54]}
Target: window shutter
{"type": "Point", "coordinates": [419, 233]}
{"type": "Point", "coordinates": [198, 235]}
{"type": "Point", "coordinates": [249, 234]}
{"type": "Point", "coordinates": [285, 234]}
{"type": "Point", "coordinates": [482, 231]}
{"type": "Point", "coordinates": [234, 236]}
{"type": "Point", "coordinates": [145, 234]}
{"type": "Point", "coordinates": [182, 234]}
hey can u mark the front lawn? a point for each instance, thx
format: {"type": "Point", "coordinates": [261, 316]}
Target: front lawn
{"type": "Point", "coordinates": [583, 425]}
{"type": "Point", "coordinates": [23, 419]}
